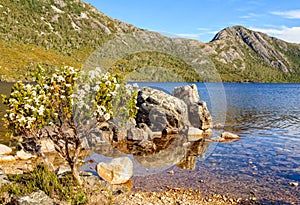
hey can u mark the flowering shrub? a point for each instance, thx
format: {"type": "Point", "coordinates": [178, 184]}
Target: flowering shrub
{"type": "Point", "coordinates": [105, 96]}
{"type": "Point", "coordinates": [62, 98]}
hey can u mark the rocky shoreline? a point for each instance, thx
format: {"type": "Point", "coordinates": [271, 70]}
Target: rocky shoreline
{"type": "Point", "coordinates": [168, 130]}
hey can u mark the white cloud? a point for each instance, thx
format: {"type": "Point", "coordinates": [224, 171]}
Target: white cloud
{"type": "Point", "coordinates": [250, 16]}
{"type": "Point", "coordinates": [189, 35]}
{"type": "Point", "coordinates": [291, 34]}
{"type": "Point", "coordinates": [292, 14]}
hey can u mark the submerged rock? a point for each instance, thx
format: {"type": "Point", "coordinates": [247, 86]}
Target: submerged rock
{"type": "Point", "coordinates": [229, 136]}
{"type": "Point", "coordinates": [118, 171]}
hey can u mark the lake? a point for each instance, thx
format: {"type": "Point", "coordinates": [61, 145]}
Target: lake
{"type": "Point", "coordinates": [262, 164]}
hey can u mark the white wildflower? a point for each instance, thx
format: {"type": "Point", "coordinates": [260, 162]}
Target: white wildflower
{"type": "Point", "coordinates": [27, 106]}
{"type": "Point", "coordinates": [28, 86]}
{"type": "Point", "coordinates": [68, 85]}
{"type": "Point", "coordinates": [106, 116]}
{"type": "Point", "coordinates": [22, 119]}
{"type": "Point", "coordinates": [113, 93]}
{"type": "Point", "coordinates": [11, 115]}
{"type": "Point", "coordinates": [41, 110]}
{"type": "Point", "coordinates": [105, 76]}
{"type": "Point", "coordinates": [96, 88]}
{"type": "Point", "coordinates": [108, 83]}
{"type": "Point", "coordinates": [60, 79]}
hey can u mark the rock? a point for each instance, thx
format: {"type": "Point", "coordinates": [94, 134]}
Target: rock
{"type": "Point", "coordinates": [3, 179]}
{"type": "Point", "coordinates": [294, 184]}
{"type": "Point", "coordinates": [5, 150]}
{"type": "Point", "coordinates": [147, 145]}
{"type": "Point", "coordinates": [208, 132]}
{"type": "Point", "coordinates": [189, 94]}
{"type": "Point", "coordinates": [218, 126]}
{"type": "Point", "coordinates": [136, 134]}
{"type": "Point", "coordinates": [229, 136]}
{"type": "Point", "coordinates": [63, 170]}
{"type": "Point", "coordinates": [22, 155]}
{"type": "Point", "coordinates": [47, 146]}
{"type": "Point", "coordinates": [198, 113]}
{"type": "Point", "coordinates": [170, 131]}
{"type": "Point", "coordinates": [194, 134]}
{"type": "Point", "coordinates": [199, 116]}
{"type": "Point", "coordinates": [38, 197]}
{"type": "Point", "coordinates": [159, 110]}
{"type": "Point", "coordinates": [118, 171]}
{"type": "Point", "coordinates": [7, 158]}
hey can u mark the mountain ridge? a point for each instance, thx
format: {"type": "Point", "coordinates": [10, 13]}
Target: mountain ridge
{"type": "Point", "coordinates": [66, 32]}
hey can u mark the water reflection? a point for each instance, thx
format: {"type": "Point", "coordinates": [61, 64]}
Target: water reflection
{"type": "Point", "coordinates": [160, 154]}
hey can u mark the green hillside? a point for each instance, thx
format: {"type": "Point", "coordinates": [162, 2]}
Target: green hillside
{"type": "Point", "coordinates": [53, 33]}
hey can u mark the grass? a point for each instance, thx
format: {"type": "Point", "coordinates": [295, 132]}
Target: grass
{"type": "Point", "coordinates": [62, 189]}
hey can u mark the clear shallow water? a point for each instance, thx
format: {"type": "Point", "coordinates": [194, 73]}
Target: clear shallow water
{"type": "Point", "coordinates": [262, 163]}
{"type": "Point", "coordinates": [266, 158]}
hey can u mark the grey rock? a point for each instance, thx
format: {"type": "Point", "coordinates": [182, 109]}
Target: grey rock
{"type": "Point", "coordinates": [159, 110]}
{"type": "Point", "coordinates": [189, 94]}
{"type": "Point", "coordinates": [63, 170]}
{"type": "Point", "coordinates": [3, 178]}
{"type": "Point", "coordinates": [36, 198]}
{"type": "Point", "coordinates": [136, 134]}
{"type": "Point", "coordinates": [195, 134]}
{"type": "Point", "coordinates": [199, 116]}
{"type": "Point", "coordinates": [198, 113]}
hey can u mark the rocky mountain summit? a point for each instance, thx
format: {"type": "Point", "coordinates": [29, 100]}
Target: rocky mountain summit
{"type": "Point", "coordinates": [269, 49]}
{"type": "Point", "coordinates": [53, 33]}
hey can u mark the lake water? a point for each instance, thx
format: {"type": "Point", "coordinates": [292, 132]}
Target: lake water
{"type": "Point", "coordinates": [266, 158]}
{"type": "Point", "coordinates": [262, 164]}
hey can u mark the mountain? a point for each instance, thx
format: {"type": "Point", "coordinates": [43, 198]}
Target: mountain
{"type": "Point", "coordinates": [254, 56]}
{"type": "Point", "coordinates": [53, 33]}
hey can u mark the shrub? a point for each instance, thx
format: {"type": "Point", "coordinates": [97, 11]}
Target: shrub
{"type": "Point", "coordinates": [49, 101]}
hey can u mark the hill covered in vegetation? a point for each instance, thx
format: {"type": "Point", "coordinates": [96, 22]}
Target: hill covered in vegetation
{"type": "Point", "coordinates": [53, 33]}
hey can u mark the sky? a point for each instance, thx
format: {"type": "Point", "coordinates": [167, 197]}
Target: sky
{"type": "Point", "coordinates": [202, 19]}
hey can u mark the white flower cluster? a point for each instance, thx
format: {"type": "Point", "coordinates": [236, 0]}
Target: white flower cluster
{"type": "Point", "coordinates": [32, 105]}
{"type": "Point", "coordinates": [26, 103]}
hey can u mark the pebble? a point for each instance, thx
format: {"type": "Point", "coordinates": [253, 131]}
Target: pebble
{"type": "Point", "coordinates": [8, 158]}
{"type": "Point", "coordinates": [294, 184]}
{"type": "Point", "coordinates": [5, 150]}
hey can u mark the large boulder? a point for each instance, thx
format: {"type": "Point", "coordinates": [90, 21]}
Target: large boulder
{"type": "Point", "coordinates": [198, 113]}
{"type": "Point", "coordinates": [159, 110]}
{"type": "Point", "coordinates": [118, 171]}
{"type": "Point", "coordinates": [188, 93]}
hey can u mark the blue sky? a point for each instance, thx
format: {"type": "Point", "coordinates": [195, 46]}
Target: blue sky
{"type": "Point", "coordinates": [202, 19]}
